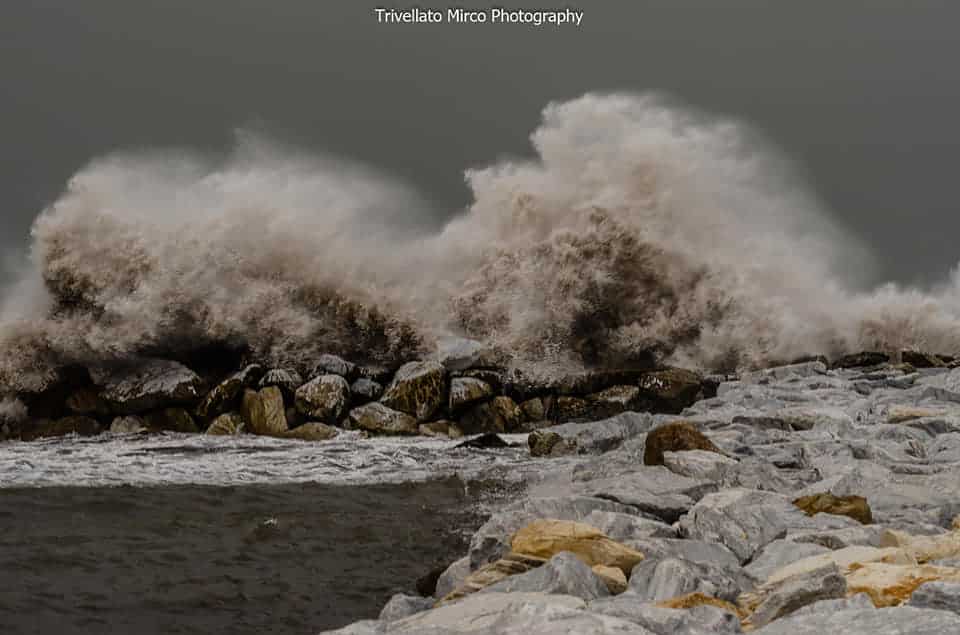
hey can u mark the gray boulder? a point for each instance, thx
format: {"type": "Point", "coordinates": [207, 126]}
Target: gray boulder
{"type": "Point", "coordinates": [779, 553]}
{"type": "Point", "coordinates": [658, 580]}
{"type": "Point", "coordinates": [627, 527]}
{"type": "Point", "coordinates": [699, 620]}
{"type": "Point", "coordinates": [786, 596]}
{"type": "Point", "coordinates": [333, 365]}
{"type": "Point", "coordinates": [453, 577]}
{"type": "Point", "coordinates": [286, 379]}
{"type": "Point", "coordinates": [564, 574]}
{"type": "Point", "coordinates": [402, 605]}
{"type": "Point", "coordinates": [467, 390]}
{"type": "Point", "coordinates": [365, 390]}
{"type": "Point", "coordinates": [903, 620]}
{"type": "Point", "coordinates": [943, 596]}
{"type": "Point", "coordinates": [148, 385]}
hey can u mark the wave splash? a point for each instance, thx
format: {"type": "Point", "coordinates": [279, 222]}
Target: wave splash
{"type": "Point", "coordinates": [641, 228]}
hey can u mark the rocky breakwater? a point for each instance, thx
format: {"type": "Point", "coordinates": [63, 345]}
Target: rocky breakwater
{"type": "Point", "coordinates": [808, 498]}
{"type": "Point", "coordinates": [460, 391]}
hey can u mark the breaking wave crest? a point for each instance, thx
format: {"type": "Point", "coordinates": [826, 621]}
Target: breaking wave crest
{"type": "Point", "coordinates": [640, 228]}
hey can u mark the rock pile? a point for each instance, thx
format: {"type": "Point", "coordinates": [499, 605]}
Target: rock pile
{"type": "Point", "coordinates": [465, 397]}
{"type": "Point", "coordinates": [798, 499]}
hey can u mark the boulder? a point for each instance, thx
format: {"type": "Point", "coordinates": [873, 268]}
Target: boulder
{"type": "Point", "coordinates": [943, 596]}
{"type": "Point", "coordinates": [698, 551]}
{"type": "Point", "coordinates": [226, 425]}
{"type": "Point", "coordinates": [857, 360]}
{"type": "Point", "coordinates": [87, 401]}
{"type": "Point", "coordinates": [564, 573]}
{"type": "Point", "coordinates": [131, 424]}
{"type": "Point", "coordinates": [918, 359]}
{"type": "Point", "coordinates": [452, 577]}
{"type": "Point", "coordinates": [465, 391]}
{"type": "Point", "coordinates": [670, 390]}
{"type": "Point", "coordinates": [435, 429]}
{"type": "Point", "coordinates": [699, 464]}
{"type": "Point", "coordinates": [599, 437]}
{"type": "Point", "coordinates": [401, 605]}
{"type": "Point", "coordinates": [572, 409]}
{"type": "Point", "coordinates": [892, 584]}
{"type": "Point", "coordinates": [652, 490]}
{"type": "Point", "coordinates": [81, 426]}
{"type": "Point", "coordinates": [377, 418]}
{"type": "Point", "coordinates": [534, 409]}
{"type": "Point", "coordinates": [779, 553]}
{"type": "Point", "coordinates": [171, 420]}
{"type": "Point", "coordinates": [365, 390]}
{"type": "Point", "coordinates": [547, 443]}
{"type": "Point", "coordinates": [702, 619]}
{"type": "Point", "coordinates": [492, 573]}
{"type": "Point", "coordinates": [865, 621]}
{"type": "Point", "coordinates": [855, 507]}
{"type": "Point", "coordinates": [286, 379]}
{"type": "Point", "coordinates": [324, 398]}
{"type": "Point", "coordinates": [417, 389]}
{"type": "Point", "coordinates": [492, 539]}
{"type": "Point", "coordinates": [775, 600]}
{"type": "Point", "coordinates": [548, 537]}
{"type": "Point", "coordinates": [263, 412]}
{"type": "Point", "coordinates": [500, 414]}
{"type": "Point", "coordinates": [628, 527]}
{"type": "Point", "coordinates": [612, 577]}
{"type": "Point", "coordinates": [149, 385]}
{"type": "Point", "coordinates": [487, 441]}
{"type": "Point", "coordinates": [312, 431]}
{"type": "Point", "coordinates": [678, 436]}
{"type": "Point", "coordinates": [662, 579]}
{"type": "Point", "coordinates": [333, 365]}
{"type": "Point", "coordinates": [225, 396]}
{"type": "Point", "coordinates": [743, 520]}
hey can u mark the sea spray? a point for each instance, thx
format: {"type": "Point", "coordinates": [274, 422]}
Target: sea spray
{"type": "Point", "coordinates": [640, 227]}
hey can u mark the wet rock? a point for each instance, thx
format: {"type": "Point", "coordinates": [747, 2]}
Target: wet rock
{"type": "Point", "coordinates": [547, 443]}
{"type": "Point", "coordinates": [435, 429]}
{"type": "Point", "coordinates": [855, 507]}
{"type": "Point", "coordinates": [564, 573]}
{"type": "Point", "coordinates": [417, 389]}
{"type": "Point", "coordinates": [365, 390]}
{"type": "Point", "coordinates": [148, 385]}
{"type": "Point", "coordinates": [286, 379]}
{"type": "Point", "coordinates": [865, 621]}
{"type": "Point", "coordinates": [602, 436]}
{"type": "Point", "coordinates": [460, 353]}
{"type": "Point", "coordinates": [333, 365]}
{"type": "Point", "coordinates": [534, 409]}
{"type": "Point", "coordinates": [263, 411]}
{"type": "Point", "coordinates": [919, 359]}
{"type": "Point", "coordinates": [571, 409]}
{"type": "Point", "coordinates": [226, 425]}
{"type": "Point", "coordinates": [225, 396]}
{"type": "Point", "coordinates": [943, 596]}
{"type": "Point", "coordinates": [773, 601]}
{"type": "Point", "coordinates": [313, 431]}
{"type": "Point", "coordinates": [87, 401]}
{"type": "Point", "coordinates": [324, 398]}
{"type": "Point", "coordinates": [484, 442]}
{"type": "Point", "coordinates": [172, 420]}
{"type": "Point", "coordinates": [400, 606]}
{"type": "Point", "coordinates": [131, 424]}
{"type": "Point", "coordinates": [678, 436]}
{"type": "Point", "coordinates": [548, 537]}
{"type": "Point", "coordinates": [670, 390]}
{"type": "Point", "coordinates": [467, 390]}
{"type": "Point", "coordinates": [82, 426]}
{"type": "Point", "coordinates": [500, 414]}
{"type": "Point", "coordinates": [858, 360]}
{"type": "Point", "coordinates": [376, 417]}
{"type": "Point", "coordinates": [658, 580]}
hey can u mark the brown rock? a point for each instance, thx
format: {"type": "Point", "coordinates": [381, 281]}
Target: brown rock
{"type": "Point", "coordinates": [87, 401]}
{"type": "Point", "coordinates": [679, 436]}
{"type": "Point", "coordinates": [172, 420]}
{"type": "Point", "coordinates": [670, 390]}
{"type": "Point", "coordinates": [263, 411]}
{"type": "Point", "coordinates": [546, 538]}
{"type": "Point", "coordinates": [613, 577]}
{"type": "Point", "coordinates": [855, 507]}
{"type": "Point", "coordinates": [226, 424]}
{"type": "Point", "coordinates": [500, 414]}
{"type": "Point", "coordinates": [467, 390]}
{"type": "Point", "coordinates": [376, 417]}
{"type": "Point", "coordinates": [417, 389]}
{"type": "Point", "coordinates": [510, 564]}
{"type": "Point", "coordinates": [547, 443]}
{"type": "Point", "coordinates": [226, 394]}
{"type": "Point", "coordinates": [533, 409]}
{"type": "Point", "coordinates": [83, 426]}
{"type": "Point", "coordinates": [313, 431]}
{"type": "Point", "coordinates": [324, 398]}
{"type": "Point", "coordinates": [435, 429]}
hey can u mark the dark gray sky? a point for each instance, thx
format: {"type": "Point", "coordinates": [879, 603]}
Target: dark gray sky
{"type": "Point", "coordinates": [864, 94]}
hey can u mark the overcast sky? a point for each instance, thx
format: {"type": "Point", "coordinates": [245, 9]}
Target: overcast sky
{"type": "Point", "coordinates": [864, 94]}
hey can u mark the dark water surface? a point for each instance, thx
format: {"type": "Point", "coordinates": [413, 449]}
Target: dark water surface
{"type": "Point", "coordinates": [292, 558]}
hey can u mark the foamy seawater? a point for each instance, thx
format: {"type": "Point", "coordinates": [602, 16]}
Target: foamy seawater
{"type": "Point", "coordinates": [180, 459]}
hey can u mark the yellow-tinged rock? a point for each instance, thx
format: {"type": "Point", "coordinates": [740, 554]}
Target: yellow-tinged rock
{"type": "Point", "coordinates": [900, 414]}
{"type": "Point", "coordinates": [924, 548]}
{"type": "Point", "coordinates": [692, 600]}
{"type": "Point", "coordinates": [613, 577]}
{"type": "Point", "coordinates": [510, 564]}
{"type": "Point", "coordinates": [893, 584]}
{"type": "Point", "coordinates": [548, 537]}
{"type": "Point", "coordinates": [844, 559]}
